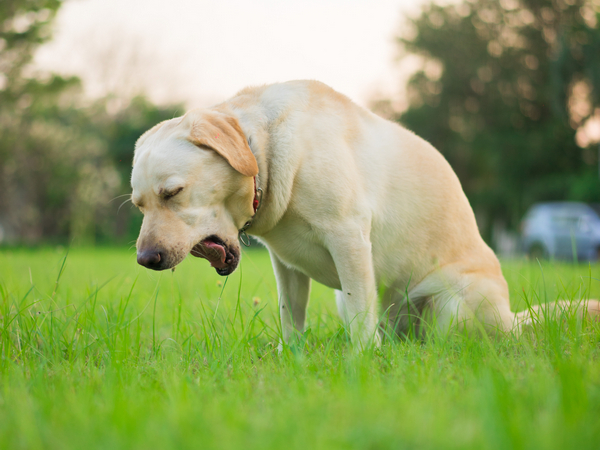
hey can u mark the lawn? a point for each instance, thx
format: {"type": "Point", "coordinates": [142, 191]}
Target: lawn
{"type": "Point", "coordinates": [99, 353]}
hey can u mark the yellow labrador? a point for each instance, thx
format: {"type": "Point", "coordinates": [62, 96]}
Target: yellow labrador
{"type": "Point", "coordinates": [349, 199]}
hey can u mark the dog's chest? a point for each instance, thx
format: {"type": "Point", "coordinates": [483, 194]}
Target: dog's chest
{"type": "Point", "coordinates": [298, 246]}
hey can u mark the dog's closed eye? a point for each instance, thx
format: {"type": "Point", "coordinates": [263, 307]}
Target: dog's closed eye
{"type": "Point", "coordinates": [166, 195]}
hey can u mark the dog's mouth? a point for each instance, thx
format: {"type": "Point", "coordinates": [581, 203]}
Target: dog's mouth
{"type": "Point", "coordinates": [223, 258]}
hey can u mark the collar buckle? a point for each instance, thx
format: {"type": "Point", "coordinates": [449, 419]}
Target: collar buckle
{"type": "Point", "coordinates": [244, 238]}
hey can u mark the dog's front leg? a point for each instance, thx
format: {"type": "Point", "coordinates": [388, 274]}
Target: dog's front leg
{"type": "Point", "coordinates": [293, 289]}
{"type": "Point", "coordinates": [353, 260]}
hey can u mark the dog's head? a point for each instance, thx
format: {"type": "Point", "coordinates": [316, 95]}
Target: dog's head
{"type": "Point", "coordinates": [192, 179]}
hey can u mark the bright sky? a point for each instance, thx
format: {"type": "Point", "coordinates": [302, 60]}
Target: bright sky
{"type": "Point", "coordinates": [204, 51]}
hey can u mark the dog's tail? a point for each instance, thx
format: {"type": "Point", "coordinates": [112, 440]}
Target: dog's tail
{"type": "Point", "coordinates": [583, 309]}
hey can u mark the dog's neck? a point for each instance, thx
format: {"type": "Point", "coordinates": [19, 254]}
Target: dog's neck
{"type": "Point", "coordinates": [255, 125]}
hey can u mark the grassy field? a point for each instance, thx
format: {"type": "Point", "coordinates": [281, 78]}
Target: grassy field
{"type": "Point", "coordinates": [98, 353]}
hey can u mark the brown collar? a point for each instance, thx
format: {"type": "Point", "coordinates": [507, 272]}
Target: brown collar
{"type": "Point", "coordinates": [244, 239]}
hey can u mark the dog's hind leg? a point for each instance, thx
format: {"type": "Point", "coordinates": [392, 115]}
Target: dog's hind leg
{"type": "Point", "coordinates": [465, 301]}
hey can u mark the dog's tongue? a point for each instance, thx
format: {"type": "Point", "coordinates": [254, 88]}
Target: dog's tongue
{"type": "Point", "coordinates": [215, 253]}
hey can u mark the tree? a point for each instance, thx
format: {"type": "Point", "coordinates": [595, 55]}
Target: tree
{"type": "Point", "coordinates": [53, 173]}
{"type": "Point", "coordinates": [62, 160]}
{"type": "Point", "coordinates": [121, 130]}
{"type": "Point", "coordinates": [495, 95]}
{"type": "Point", "coordinates": [24, 25]}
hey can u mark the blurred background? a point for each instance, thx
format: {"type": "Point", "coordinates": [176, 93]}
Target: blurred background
{"type": "Point", "coordinates": [508, 91]}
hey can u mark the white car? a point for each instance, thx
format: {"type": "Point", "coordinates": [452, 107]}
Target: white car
{"type": "Point", "coordinates": [562, 230]}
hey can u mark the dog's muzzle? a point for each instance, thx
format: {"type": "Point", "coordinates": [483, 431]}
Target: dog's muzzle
{"type": "Point", "coordinates": [152, 259]}
{"type": "Point", "coordinates": [222, 257]}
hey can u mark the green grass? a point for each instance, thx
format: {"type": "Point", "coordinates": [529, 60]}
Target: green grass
{"type": "Point", "coordinates": [98, 353]}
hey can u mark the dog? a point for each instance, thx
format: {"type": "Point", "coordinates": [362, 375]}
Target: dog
{"type": "Point", "coordinates": [337, 194]}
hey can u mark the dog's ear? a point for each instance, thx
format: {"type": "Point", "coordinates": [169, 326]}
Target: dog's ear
{"type": "Point", "coordinates": [223, 134]}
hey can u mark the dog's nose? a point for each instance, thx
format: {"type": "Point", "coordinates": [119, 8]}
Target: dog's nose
{"type": "Point", "coordinates": [150, 259]}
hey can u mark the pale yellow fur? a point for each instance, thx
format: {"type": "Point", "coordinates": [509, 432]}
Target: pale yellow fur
{"type": "Point", "coordinates": [351, 200]}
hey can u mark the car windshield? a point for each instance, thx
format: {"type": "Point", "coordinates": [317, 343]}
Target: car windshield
{"type": "Point", "coordinates": [596, 208]}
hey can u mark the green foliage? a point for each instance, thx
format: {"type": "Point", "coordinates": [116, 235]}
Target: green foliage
{"type": "Point", "coordinates": [123, 129]}
{"type": "Point", "coordinates": [494, 96]}
{"type": "Point", "coordinates": [97, 352]}
{"type": "Point", "coordinates": [62, 160]}
{"type": "Point", "coordinates": [120, 222]}
{"type": "Point", "coordinates": [24, 25]}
